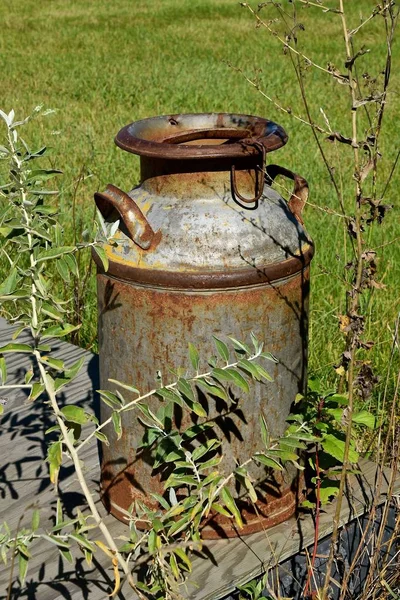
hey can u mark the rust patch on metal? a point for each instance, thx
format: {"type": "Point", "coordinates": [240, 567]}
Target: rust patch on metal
{"type": "Point", "coordinates": [217, 280]}
{"type": "Point", "coordinates": [138, 321]}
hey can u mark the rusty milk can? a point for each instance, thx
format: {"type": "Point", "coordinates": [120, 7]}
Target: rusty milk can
{"type": "Point", "coordinates": [205, 247]}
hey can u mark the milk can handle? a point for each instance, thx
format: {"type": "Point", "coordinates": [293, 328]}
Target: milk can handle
{"type": "Point", "coordinates": [132, 217]}
{"type": "Point", "coordinates": [299, 195]}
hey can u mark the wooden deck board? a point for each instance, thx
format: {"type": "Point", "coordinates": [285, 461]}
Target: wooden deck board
{"type": "Point", "coordinates": [24, 481]}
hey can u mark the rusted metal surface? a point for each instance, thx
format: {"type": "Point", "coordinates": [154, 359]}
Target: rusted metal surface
{"type": "Point", "coordinates": [146, 330]}
{"type": "Point", "coordinates": [148, 137]}
{"type": "Point", "coordinates": [207, 280]}
{"type": "Point", "coordinates": [299, 195]}
{"type": "Point", "coordinates": [209, 265]}
{"type": "Point", "coordinates": [132, 217]}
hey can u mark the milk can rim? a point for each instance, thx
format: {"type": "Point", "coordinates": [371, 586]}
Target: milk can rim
{"type": "Point", "coordinates": [256, 130]}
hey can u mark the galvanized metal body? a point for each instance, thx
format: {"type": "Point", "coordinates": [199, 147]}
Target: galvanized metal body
{"type": "Point", "coordinates": [192, 261]}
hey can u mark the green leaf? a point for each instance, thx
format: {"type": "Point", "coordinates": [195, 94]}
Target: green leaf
{"type": "Point", "coordinates": [282, 454]}
{"type": "Point", "coordinates": [62, 268]}
{"type": "Point", "coordinates": [185, 388]}
{"type": "Point", "coordinates": [149, 414]}
{"type": "Point", "coordinates": [174, 567]}
{"type": "Point", "coordinates": [364, 418]}
{"type": "Point", "coordinates": [51, 429]}
{"type": "Point", "coordinates": [308, 504]}
{"type": "Point", "coordinates": [267, 461]}
{"type": "Point", "coordinates": [60, 382]}
{"type": "Point", "coordinates": [335, 447]}
{"type": "Point", "coordinates": [222, 349]}
{"type": "Point", "coordinates": [264, 431]}
{"type": "Point", "coordinates": [215, 390]}
{"type": "Point", "coordinates": [249, 487]}
{"type": "Point", "coordinates": [74, 414]}
{"type": "Point", "coordinates": [43, 209]}
{"type": "Point", "coordinates": [116, 419]}
{"type": "Point", "coordinates": [180, 552]}
{"type": "Point", "coordinates": [14, 347]}
{"type": "Point", "coordinates": [198, 409]}
{"type": "Point", "coordinates": [263, 373]}
{"type": "Point", "coordinates": [152, 541]}
{"type": "Point", "coordinates": [59, 330]}
{"type": "Point", "coordinates": [72, 264]}
{"type": "Point", "coordinates": [212, 478]}
{"type": "Point", "coordinates": [250, 368]}
{"type": "Point", "coordinates": [170, 395]}
{"type": "Point", "coordinates": [88, 557]}
{"type": "Point", "coordinates": [314, 385]}
{"type": "Point", "coordinates": [328, 490]}
{"type": "Point", "coordinates": [257, 345]}
{"type": "Point", "coordinates": [54, 253]}
{"type": "Point", "coordinates": [127, 547]}
{"type": "Point", "coordinates": [240, 347]}
{"type": "Point", "coordinates": [239, 380]}
{"type": "Point", "coordinates": [54, 363]}
{"type": "Point", "coordinates": [55, 539]}
{"type": "Point", "coordinates": [336, 413]}
{"type": "Point", "coordinates": [130, 388]}
{"type": "Point", "coordinates": [189, 399]}
{"type": "Point", "coordinates": [35, 519]}
{"type": "Point", "coordinates": [54, 458]}
{"type": "Point", "coordinates": [220, 509]}
{"type": "Point", "coordinates": [112, 400]}
{"type": "Point", "coordinates": [3, 369]}
{"type": "Point", "coordinates": [162, 501]}
{"type": "Point", "coordinates": [72, 371]}
{"type": "Point", "coordinates": [291, 443]}
{"type": "Point", "coordinates": [19, 330]}
{"type": "Point", "coordinates": [9, 284]}
{"type": "Point", "coordinates": [42, 174]}
{"type": "Point", "coordinates": [196, 430]}
{"type": "Point", "coordinates": [227, 499]}
{"type": "Point", "coordinates": [102, 437]}
{"type": "Point", "coordinates": [337, 399]}
{"type": "Point", "coordinates": [205, 448]}
{"type": "Point", "coordinates": [194, 356]}
{"type": "Point", "coordinates": [66, 554]}
{"type": "Point", "coordinates": [213, 462]}
{"type": "Point", "coordinates": [82, 541]}
{"type": "Point", "coordinates": [101, 253]}
{"type": "Point", "coordinates": [269, 356]}
{"type": "Point", "coordinates": [177, 480]}
{"type": "Point", "coordinates": [222, 375]}
{"type": "Point", "coordinates": [51, 311]}
{"type": "Point", "coordinates": [44, 192]}
{"type": "Point", "coordinates": [174, 456]}
{"type": "Point", "coordinates": [179, 525]}
{"type": "Point", "coordinates": [22, 565]}
{"type": "Point", "coordinates": [17, 295]}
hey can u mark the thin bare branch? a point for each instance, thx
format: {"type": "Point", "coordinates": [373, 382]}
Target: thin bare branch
{"type": "Point", "coordinates": [260, 21]}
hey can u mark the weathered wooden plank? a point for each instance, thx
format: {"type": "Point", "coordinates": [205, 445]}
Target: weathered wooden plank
{"type": "Point", "coordinates": [24, 481]}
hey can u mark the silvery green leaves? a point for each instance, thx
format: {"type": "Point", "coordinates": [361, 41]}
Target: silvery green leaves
{"type": "Point", "coordinates": [17, 544]}
{"type": "Point", "coordinates": [32, 238]}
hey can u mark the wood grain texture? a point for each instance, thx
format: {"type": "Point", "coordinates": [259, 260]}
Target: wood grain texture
{"type": "Point", "coordinates": [24, 483]}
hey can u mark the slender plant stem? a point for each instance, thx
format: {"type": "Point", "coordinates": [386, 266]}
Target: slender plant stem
{"type": "Point", "coordinates": [354, 304]}
{"type": "Point", "coordinates": [72, 451]}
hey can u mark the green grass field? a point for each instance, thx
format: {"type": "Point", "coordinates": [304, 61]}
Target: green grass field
{"type": "Point", "coordinates": [103, 64]}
